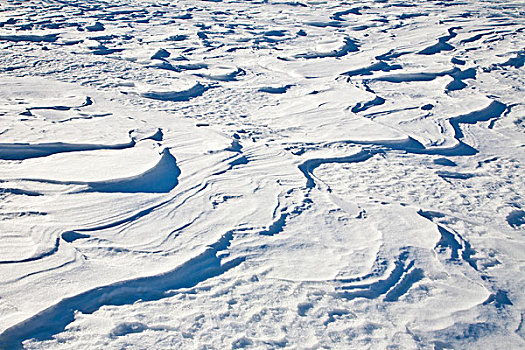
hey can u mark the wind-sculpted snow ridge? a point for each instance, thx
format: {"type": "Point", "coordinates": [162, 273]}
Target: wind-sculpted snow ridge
{"type": "Point", "coordinates": [261, 174]}
{"type": "Point", "coordinates": [39, 256]}
{"type": "Point", "coordinates": [397, 283]}
{"type": "Point", "coordinates": [32, 38]}
{"type": "Point", "coordinates": [456, 84]}
{"type": "Point", "coordinates": [309, 166]}
{"type": "Point", "coordinates": [349, 45]}
{"type": "Point", "coordinates": [21, 151]}
{"type": "Point", "coordinates": [442, 44]}
{"type": "Point", "coordinates": [54, 319]}
{"type": "Point", "coordinates": [161, 178]}
{"type": "Point", "coordinates": [184, 95]}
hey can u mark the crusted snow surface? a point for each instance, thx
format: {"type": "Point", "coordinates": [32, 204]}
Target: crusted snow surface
{"type": "Point", "coordinates": [262, 174]}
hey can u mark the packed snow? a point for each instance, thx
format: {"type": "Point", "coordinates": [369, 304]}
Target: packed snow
{"type": "Point", "coordinates": [225, 174]}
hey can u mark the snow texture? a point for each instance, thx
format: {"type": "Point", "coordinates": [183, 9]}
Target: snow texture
{"type": "Point", "coordinates": [227, 174]}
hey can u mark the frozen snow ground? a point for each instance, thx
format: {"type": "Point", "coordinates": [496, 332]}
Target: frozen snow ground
{"type": "Point", "coordinates": [262, 174]}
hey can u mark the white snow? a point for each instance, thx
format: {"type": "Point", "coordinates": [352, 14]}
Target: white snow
{"type": "Point", "coordinates": [268, 174]}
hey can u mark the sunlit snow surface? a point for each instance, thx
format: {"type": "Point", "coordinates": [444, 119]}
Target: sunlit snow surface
{"type": "Point", "coordinates": [262, 174]}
